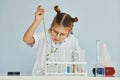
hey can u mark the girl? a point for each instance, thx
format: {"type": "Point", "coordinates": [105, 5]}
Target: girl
{"type": "Point", "coordinates": [55, 44]}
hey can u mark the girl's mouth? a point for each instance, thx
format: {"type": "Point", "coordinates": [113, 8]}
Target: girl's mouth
{"type": "Point", "coordinates": [56, 40]}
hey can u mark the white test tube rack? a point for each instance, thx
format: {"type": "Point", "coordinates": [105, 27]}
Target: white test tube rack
{"type": "Point", "coordinates": [67, 72]}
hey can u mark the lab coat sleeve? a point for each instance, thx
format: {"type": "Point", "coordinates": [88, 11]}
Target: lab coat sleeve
{"type": "Point", "coordinates": [37, 37]}
{"type": "Point", "coordinates": [36, 40]}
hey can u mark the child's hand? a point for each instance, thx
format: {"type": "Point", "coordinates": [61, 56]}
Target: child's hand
{"type": "Point", "coordinates": [39, 14]}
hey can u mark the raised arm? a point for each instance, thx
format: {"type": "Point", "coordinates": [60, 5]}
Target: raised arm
{"type": "Point", "coordinates": [28, 36]}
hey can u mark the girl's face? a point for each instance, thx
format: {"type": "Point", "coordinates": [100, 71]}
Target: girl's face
{"type": "Point", "coordinates": [59, 33]}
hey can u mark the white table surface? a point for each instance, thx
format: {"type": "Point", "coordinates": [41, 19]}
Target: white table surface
{"type": "Point", "coordinates": [56, 78]}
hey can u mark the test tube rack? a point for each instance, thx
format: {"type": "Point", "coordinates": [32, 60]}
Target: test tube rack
{"type": "Point", "coordinates": [68, 68]}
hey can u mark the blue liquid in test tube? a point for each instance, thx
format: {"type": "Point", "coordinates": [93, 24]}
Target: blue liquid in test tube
{"type": "Point", "coordinates": [68, 69]}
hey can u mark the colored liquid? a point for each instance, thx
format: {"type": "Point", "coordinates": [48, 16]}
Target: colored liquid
{"type": "Point", "coordinates": [106, 71]}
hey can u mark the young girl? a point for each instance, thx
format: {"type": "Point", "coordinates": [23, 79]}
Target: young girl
{"type": "Point", "coordinates": [55, 44]}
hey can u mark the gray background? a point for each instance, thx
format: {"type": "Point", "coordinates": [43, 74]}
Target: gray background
{"type": "Point", "coordinates": [98, 20]}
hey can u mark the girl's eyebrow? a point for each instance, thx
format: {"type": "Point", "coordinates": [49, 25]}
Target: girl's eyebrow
{"type": "Point", "coordinates": [58, 32]}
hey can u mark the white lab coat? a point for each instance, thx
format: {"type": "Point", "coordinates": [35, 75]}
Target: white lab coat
{"type": "Point", "coordinates": [47, 50]}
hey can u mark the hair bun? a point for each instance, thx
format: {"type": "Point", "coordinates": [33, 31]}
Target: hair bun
{"type": "Point", "coordinates": [56, 8]}
{"type": "Point", "coordinates": [74, 19]}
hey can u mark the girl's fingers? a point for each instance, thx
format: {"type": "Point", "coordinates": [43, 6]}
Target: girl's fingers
{"type": "Point", "coordinates": [40, 10]}
{"type": "Point", "coordinates": [38, 6]}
